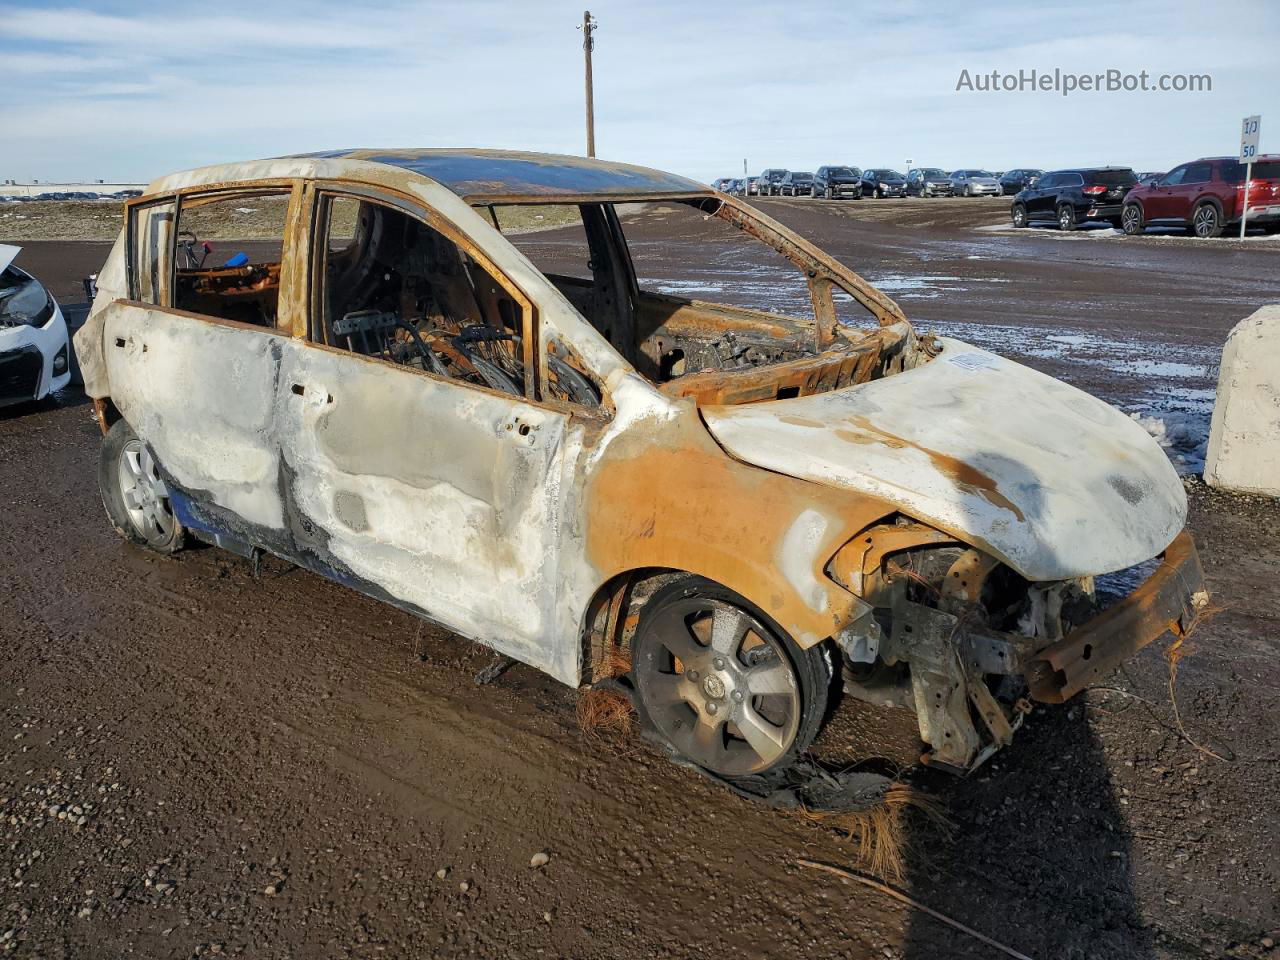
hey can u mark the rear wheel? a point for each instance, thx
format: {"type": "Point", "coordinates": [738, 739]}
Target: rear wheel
{"type": "Point", "coordinates": [1066, 217]}
{"type": "Point", "coordinates": [1132, 221]}
{"type": "Point", "coordinates": [722, 684]}
{"type": "Point", "coordinates": [1206, 221]}
{"type": "Point", "coordinates": [1019, 214]}
{"type": "Point", "coordinates": [133, 493]}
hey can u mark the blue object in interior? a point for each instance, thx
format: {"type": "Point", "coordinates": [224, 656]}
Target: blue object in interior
{"type": "Point", "coordinates": [239, 260]}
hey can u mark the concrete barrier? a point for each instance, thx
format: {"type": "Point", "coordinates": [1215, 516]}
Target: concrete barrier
{"type": "Point", "coordinates": [1244, 438]}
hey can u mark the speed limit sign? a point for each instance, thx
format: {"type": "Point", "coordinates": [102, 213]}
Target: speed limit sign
{"type": "Point", "coordinates": [1249, 139]}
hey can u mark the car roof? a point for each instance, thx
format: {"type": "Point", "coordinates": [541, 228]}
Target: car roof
{"type": "Point", "coordinates": [477, 176]}
{"type": "Point", "coordinates": [1089, 169]}
{"type": "Point", "coordinates": [1260, 157]}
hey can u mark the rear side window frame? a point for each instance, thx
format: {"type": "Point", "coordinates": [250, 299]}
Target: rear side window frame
{"type": "Point", "coordinates": [132, 209]}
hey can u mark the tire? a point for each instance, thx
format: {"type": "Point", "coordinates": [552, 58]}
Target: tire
{"type": "Point", "coordinates": [826, 194]}
{"type": "Point", "coordinates": [1066, 216]}
{"type": "Point", "coordinates": [135, 498]}
{"type": "Point", "coordinates": [813, 193]}
{"type": "Point", "coordinates": [1019, 215]}
{"type": "Point", "coordinates": [879, 194]}
{"type": "Point", "coordinates": [1206, 221]}
{"type": "Point", "coordinates": [722, 684]}
{"type": "Point", "coordinates": [1132, 222]}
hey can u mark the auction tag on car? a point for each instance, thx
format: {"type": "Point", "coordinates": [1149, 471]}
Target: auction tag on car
{"type": "Point", "coordinates": [974, 361]}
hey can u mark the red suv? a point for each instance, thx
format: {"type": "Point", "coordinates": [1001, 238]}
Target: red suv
{"type": "Point", "coordinates": [1206, 196]}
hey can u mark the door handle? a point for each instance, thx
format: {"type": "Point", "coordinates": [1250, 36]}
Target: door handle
{"type": "Point", "coordinates": [318, 395]}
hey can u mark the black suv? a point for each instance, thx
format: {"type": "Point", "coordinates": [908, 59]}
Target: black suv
{"type": "Point", "coordinates": [1072, 197]}
{"type": "Point", "coordinates": [767, 182]}
{"type": "Point", "coordinates": [1019, 179]}
{"type": "Point", "coordinates": [796, 183]}
{"type": "Point", "coordinates": [831, 183]}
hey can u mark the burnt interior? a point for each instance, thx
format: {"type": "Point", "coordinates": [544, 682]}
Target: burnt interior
{"type": "Point", "coordinates": [714, 352]}
{"type": "Point", "coordinates": [396, 288]}
{"type": "Point", "coordinates": [242, 286]}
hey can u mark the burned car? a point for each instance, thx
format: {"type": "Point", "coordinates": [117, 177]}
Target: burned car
{"type": "Point", "coordinates": [753, 512]}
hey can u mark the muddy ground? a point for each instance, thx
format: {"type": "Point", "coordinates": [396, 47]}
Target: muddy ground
{"type": "Point", "coordinates": [195, 760]}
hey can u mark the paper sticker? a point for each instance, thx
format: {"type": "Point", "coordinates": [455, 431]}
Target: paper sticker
{"type": "Point", "coordinates": [974, 361]}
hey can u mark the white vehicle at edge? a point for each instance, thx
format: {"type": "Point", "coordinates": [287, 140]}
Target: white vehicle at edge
{"type": "Point", "coordinates": [35, 355]}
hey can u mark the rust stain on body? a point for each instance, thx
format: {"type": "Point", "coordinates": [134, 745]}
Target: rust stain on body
{"type": "Point", "coordinates": [964, 475]}
{"type": "Point", "coordinates": [674, 499]}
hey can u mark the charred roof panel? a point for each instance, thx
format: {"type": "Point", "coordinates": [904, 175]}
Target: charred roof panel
{"type": "Point", "coordinates": [481, 176]}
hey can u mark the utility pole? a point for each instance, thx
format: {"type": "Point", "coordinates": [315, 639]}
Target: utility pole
{"type": "Point", "coordinates": [588, 44]}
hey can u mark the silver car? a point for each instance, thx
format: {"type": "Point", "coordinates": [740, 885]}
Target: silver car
{"type": "Point", "coordinates": [975, 183]}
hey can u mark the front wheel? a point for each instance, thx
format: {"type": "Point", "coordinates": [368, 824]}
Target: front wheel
{"type": "Point", "coordinates": [1066, 217]}
{"type": "Point", "coordinates": [826, 194]}
{"type": "Point", "coordinates": [134, 494]}
{"type": "Point", "coordinates": [722, 685]}
{"type": "Point", "coordinates": [1019, 215]}
{"type": "Point", "coordinates": [1131, 220]}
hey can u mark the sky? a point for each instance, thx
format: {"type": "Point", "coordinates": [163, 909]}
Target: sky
{"type": "Point", "coordinates": [126, 91]}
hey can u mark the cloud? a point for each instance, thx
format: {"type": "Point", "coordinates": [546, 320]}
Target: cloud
{"type": "Point", "coordinates": [124, 92]}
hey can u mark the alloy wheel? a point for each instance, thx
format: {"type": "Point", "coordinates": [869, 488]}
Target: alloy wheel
{"type": "Point", "coordinates": [146, 499]}
{"type": "Point", "coordinates": [1205, 221]}
{"type": "Point", "coordinates": [718, 685]}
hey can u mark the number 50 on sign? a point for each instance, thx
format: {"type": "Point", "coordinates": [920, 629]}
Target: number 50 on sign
{"type": "Point", "coordinates": [1249, 139]}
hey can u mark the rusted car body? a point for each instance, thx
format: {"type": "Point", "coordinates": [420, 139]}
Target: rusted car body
{"type": "Point", "coordinates": [754, 510]}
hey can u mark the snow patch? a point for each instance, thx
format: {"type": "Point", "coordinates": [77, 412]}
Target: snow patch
{"type": "Point", "coordinates": [1184, 436]}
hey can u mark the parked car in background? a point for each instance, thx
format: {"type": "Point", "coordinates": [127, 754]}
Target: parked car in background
{"type": "Point", "coordinates": [883, 182]}
{"type": "Point", "coordinates": [581, 471]}
{"type": "Point", "coordinates": [1149, 177]}
{"type": "Point", "coordinates": [1073, 197]}
{"type": "Point", "coordinates": [721, 183]}
{"type": "Point", "coordinates": [35, 356]}
{"type": "Point", "coordinates": [928, 182]}
{"type": "Point", "coordinates": [752, 186]}
{"type": "Point", "coordinates": [974, 183]}
{"type": "Point", "coordinates": [1206, 196]}
{"type": "Point", "coordinates": [834, 183]}
{"type": "Point", "coordinates": [1015, 180]}
{"type": "Point", "coordinates": [796, 183]}
{"type": "Point", "coordinates": [767, 183]}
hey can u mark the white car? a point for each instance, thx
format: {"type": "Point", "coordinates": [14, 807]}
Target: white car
{"type": "Point", "coordinates": [975, 183]}
{"type": "Point", "coordinates": [35, 357]}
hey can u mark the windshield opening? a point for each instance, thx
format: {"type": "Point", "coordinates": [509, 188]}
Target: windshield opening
{"type": "Point", "coordinates": [692, 291]}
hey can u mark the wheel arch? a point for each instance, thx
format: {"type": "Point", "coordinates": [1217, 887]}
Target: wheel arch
{"type": "Point", "coordinates": [1213, 202]}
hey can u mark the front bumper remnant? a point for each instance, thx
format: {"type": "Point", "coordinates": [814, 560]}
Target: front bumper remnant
{"type": "Point", "coordinates": [1172, 599]}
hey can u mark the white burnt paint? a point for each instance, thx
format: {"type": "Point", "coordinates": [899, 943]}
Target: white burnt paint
{"type": "Point", "coordinates": [1094, 491]}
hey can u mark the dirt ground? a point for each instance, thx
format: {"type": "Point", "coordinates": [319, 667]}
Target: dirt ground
{"type": "Point", "coordinates": [197, 761]}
